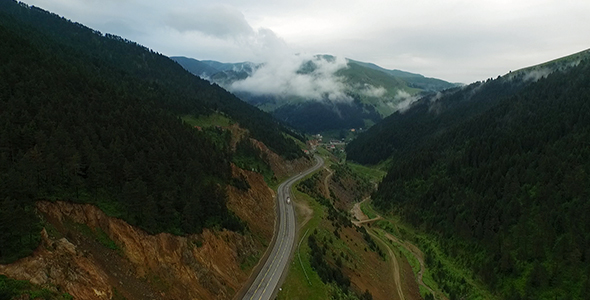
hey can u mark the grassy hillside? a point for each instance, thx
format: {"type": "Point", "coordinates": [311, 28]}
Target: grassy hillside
{"type": "Point", "coordinates": [562, 63]}
{"type": "Point", "coordinates": [414, 80]}
{"type": "Point", "coordinates": [360, 76]}
{"type": "Point", "coordinates": [334, 259]}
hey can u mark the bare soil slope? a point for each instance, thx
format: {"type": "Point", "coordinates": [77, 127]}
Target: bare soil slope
{"type": "Point", "coordinates": [164, 266]}
{"type": "Point", "coordinates": [384, 279]}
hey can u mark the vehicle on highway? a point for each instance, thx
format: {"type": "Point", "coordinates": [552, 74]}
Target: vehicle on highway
{"type": "Point", "coordinates": [265, 283]}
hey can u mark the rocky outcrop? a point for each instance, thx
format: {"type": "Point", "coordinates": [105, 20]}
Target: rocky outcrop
{"type": "Point", "coordinates": [60, 263]}
{"type": "Point", "coordinates": [256, 206]}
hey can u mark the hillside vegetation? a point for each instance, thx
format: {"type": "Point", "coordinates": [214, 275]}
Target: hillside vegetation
{"type": "Point", "coordinates": [504, 181]}
{"type": "Point", "coordinates": [335, 259]}
{"type": "Point", "coordinates": [93, 118]}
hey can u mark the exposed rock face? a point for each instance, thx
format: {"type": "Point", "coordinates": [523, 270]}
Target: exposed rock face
{"type": "Point", "coordinates": [279, 166]}
{"type": "Point", "coordinates": [162, 266]}
{"type": "Point", "coordinates": [255, 206]}
{"type": "Point", "coordinates": [60, 262]}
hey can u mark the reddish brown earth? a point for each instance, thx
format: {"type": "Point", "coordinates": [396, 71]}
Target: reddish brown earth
{"type": "Point", "coordinates": [409, 284]}
{"type": "Point", "coordinates": [162, 266]}
{"type": "Point", "coordinates": [383, 279]}
{"type": "Point", "coordinates": [256, 205]}
{"type": "Point", "coordinates": [410, 287]}
{"type": "Point", "coordinates": [346, 188]}
{"type": "Point", "coordinates": [215, 264]}
{"type": "Point", "coordinates": [281, 168]}
{"type": "Point", "coordinates": [369, 271]}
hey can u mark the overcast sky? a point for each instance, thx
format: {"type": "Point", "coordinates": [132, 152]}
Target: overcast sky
{"type": "Point", "coordinates": [458, 41]}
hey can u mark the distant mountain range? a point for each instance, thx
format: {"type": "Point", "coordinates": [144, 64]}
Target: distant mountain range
{"type": "Point", "coordinates": [321, 92]}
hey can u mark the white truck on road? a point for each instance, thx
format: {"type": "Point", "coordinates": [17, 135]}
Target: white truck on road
{"type": "Point", "coordinates": [288, 200]}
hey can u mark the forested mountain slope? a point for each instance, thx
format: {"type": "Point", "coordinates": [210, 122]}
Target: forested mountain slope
{"type": "Point", "coordinates": [435, 114]}
{"type": "Point", "coordinates": [94, 118]}
{"type": "Point", "coordinates": [138, 71]}
{"type": "Point", "coordinates": [426, 118]}
{"type": "Point", "coordinates": [506, 188]}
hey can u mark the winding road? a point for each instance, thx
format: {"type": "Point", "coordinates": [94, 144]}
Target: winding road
{"type": "Point", "coordinates": [362, 219]}
{"type": "Point", "coordinates": [267, 281]}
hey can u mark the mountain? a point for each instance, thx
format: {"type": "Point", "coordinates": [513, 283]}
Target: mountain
{"type": "Point", "coordinates": [339, 95]}
{"type": "Point", "coordinates": [435, 114]}
{"type": "Point", "coordinates": [95, 118]}
{"type": "Point", "coordinates": [196, 67]}
{"type": "Point", "coordinates": [194, 96]}
{"type": "Point", "coordinates": [413, 79]}
{"type": "Point", "coordinates": [498, 170]}
{"type": "Point", "coordinates": [220, 73]}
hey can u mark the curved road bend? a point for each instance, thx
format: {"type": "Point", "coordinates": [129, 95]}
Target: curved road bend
{"type": "Point", "coordinates": [267, 280]}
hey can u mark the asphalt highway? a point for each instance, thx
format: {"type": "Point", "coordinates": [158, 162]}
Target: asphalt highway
{"type": "Point", "coordinates": [267, 281]}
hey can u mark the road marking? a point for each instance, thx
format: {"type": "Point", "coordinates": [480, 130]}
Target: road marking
{"type": "Point", "coordinates": [266, 273]}
{"type": "Point", "coordinates": [284, 189]}
{"type": "Point", "coordinates": [273, 274]}
{"type": "Point", "coordinates": [272, 262]}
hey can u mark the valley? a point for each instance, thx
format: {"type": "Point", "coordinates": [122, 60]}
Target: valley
{"type": "Point", "coordinates": [401, 259]}
{"type": "Point", "coordinates": [302, 276]}
{"type": "Point", "coordinates": [126, 173]}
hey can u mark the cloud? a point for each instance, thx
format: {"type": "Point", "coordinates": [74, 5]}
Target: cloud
{"type": "Point", "coordinates": [372, 91]}
{"type": "Point", "coordinates": [455, 40]}
{"type": "Point", "coordinates": [266, 44]}
{"type": "Point", "coordinates": [219, 21]}
{"type": "Point", "coordinates": [535, 75]}
{"type": "Point", "coordinates": [435, 106]}
{"type": "Point", "coordinates": [219, 32]}
{"type": "Point", "coordinates": [405, 100]}
{"type": "Point", "coordinates": [436, 97]}
{"type": "Point", "coordinates": [304, 76]}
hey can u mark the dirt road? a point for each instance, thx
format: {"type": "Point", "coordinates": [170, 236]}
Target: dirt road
{"type": "Point", "coordinates": [357, 212]}
{"type": "Point", "coordinates": [394, 265]}
{"type": "Point", "coordinates": [363, 219]}
{"type": "Point", "coordinates": [326, 179]}
{"type": "Point", "coordinates": [420, 257]}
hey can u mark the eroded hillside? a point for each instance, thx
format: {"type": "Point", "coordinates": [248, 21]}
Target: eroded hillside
{"type": "Point", "coordinates": [90, 255]}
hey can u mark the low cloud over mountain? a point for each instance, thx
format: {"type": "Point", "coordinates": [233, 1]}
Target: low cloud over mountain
{"type": "Point", "coordinates": [318, 92]}
{"type": "Point", "coordinates": [305, 76]}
